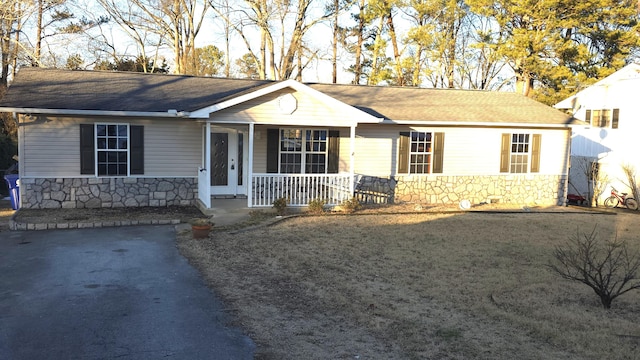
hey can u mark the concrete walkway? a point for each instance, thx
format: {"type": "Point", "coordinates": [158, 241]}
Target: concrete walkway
{"type": "Point", "coordinates": [121, 292]}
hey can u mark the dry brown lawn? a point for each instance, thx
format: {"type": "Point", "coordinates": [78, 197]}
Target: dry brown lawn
{"type": "Point", "coordinates": [418, 286]}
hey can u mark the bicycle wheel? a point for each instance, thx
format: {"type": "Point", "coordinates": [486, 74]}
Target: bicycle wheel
{"type": "Point", "coordinates": [611, 202]}
{"type": "Point", "coordinates": [631, 203]}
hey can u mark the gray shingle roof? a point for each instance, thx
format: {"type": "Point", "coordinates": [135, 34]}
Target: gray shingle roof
{"type": "Point", "coordinates": [118, 91]}
{"type": "Point", "coordinates": [448, 105]}
{"type": "Point", "coordinates": [135, 92]}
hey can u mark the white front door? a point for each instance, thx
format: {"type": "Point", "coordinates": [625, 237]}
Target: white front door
{"type": "Point", "coordinates": [227, 162]}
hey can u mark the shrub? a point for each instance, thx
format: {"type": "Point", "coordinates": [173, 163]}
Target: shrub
{"type": "Point", "coordinates": [607, 267]}
{"type": "Point", "coordinates": [280, 205]}
{"type": "Point", "coordinates": [351, 205]}
{"type": "Point", "coordinates": [316, 206]}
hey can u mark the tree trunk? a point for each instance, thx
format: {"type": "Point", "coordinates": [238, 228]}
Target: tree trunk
{"type": "Point", "coordinates": [396, 50]}
{"type": "Point", "coordinates": [334, 55]}
{"type": "Point", "coordinates": [357, 68]}
{"type": "Point", "coordinates": [38, 49]}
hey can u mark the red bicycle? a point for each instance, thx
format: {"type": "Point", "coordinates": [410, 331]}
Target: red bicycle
{"type": "Point", "coordinates": [617, 198]}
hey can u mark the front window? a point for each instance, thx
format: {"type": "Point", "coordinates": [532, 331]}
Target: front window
{"type": "Point", "coordinates": [519, 153]}
{"type": "Point", "coordinates": [302, 149]}
{"type": "Point", "coordinates": [112, 146]}
{"type": "Point", "coordinates": [420, 153]}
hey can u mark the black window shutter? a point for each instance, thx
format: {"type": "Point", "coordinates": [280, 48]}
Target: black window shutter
{"type": "Point", "coordinates": [136, 150]}
{"type": "Point", "coordinates": [587, 116]}
{"type": "Point", "coordinates": [438, 152]}
{"type": "Point", "coordinates": [334, 152]}
{"type": "Point", "coordinates": [616, 117]}
{"type": "Point", "coordinates": [505, 153]}
{"type": "Point", "coordinates": [87, 150]}
{"type": "Point", "coordinates": [403, 153]}
{"type": "Point", "coordinates": [273, 146]}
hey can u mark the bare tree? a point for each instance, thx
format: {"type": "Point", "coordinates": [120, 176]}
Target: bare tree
{"type": "Point", "coordinates": [57, 13]}
{"type": "Point", "coordinates": [142, 36]}
{"type": "Point", "coordinates": [178, 22]}
{"type": "Point", "coordinates": [595, 179]}
{"type": "Point", "coordinates": [13, 14]}
{"type": "Point", "coordinates": [610, 268]}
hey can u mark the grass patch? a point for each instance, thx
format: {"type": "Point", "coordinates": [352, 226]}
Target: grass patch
{"type": "Point", "coordinates": [417, 286]}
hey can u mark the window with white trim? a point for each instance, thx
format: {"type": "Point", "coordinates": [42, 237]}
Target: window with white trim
{"type": "Point", "coordinates": [112, 149]}
{"type": "Point", "coordinates": [303, 151]}
{"type": "Point", "coordinates": [519, 153]}
{"type": "Point", "coordinates": [421, 152]}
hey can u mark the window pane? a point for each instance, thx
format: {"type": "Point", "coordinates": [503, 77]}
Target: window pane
{"type": "Point", "coordinates": [113, 142]}
{"type": "Point", "coordinates": [519, 159]}
{"type": "Point", "coordinates": [315, 163]}
{"type": "Point", "coordinates": [303, 151]}
{"type": "Point", "coordinates": [290, 163]}
{"type": "Point", "coordinates": [420, 155]}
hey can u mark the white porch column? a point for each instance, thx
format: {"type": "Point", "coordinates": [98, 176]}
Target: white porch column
{"type": "Point", "coordinates": [352, 135]}
{"type": "Point", "coordinates": [204, 177]}
{"type": "Point", "coordinates": [250, 166]}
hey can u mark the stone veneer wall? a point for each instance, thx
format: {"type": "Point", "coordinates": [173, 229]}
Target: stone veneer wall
{"type": "Point", "coordinates": [525, 189]}
{"type": "Point", "coordinates": [106, 192]}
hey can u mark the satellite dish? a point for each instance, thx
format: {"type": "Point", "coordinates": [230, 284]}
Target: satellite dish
{"type": "Point", "coordinates": [465, 205]}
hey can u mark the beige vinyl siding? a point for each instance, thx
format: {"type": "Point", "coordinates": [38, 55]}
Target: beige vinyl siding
{"type": "Point", "coordinates": [260, 150]}
{"type": "Point", "coordinates": [172, 148]}
{"type": "Point", "coordinates": [51, 146]}
{"type": "Point", "coordinates": [376, 150]}
{"type": "Point", "coordinates": [265, 109]}
{"type": "Point", "coordinates": [467, 151]}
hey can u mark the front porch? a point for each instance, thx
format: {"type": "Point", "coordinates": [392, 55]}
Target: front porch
{"type": "Point", "coordinates": [261, 164]}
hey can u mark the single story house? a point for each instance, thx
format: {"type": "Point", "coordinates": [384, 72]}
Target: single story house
{"type": "Point", "coordinates": [607, 140]}
{"type": "Point", "coordinates": [110, 139]}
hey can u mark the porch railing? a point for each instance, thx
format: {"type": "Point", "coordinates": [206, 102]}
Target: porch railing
{"type": "Point", "coordinates": [300, 189]}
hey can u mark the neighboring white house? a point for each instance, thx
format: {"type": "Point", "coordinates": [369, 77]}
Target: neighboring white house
{"type": "Point", "coordinates": [611, 108]}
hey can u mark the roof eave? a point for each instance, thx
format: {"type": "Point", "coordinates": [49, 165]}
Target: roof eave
{"type": "Point", "coordinates": [481, 123]}
{"type": "Point", "coordinates": [71, 112]}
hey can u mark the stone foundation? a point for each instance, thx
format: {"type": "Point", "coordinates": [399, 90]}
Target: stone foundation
{"type": "Point", "coordinates": [53, 193]}
{"type": "Point", "coordinates": [523, 189]}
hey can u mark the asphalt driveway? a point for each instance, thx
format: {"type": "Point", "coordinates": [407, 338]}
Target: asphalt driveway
{"type": "Point", "coordinates": [108, 293]}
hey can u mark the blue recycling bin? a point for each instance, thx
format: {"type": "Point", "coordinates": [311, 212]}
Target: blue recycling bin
{"type": "Point", "coordinates": [13, 181]}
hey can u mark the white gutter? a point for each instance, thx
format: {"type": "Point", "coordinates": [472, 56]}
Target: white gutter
{"type": "Point", "coordinates": [168, 114]}
{"type": "Point", "coordinates": [473, 123]}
